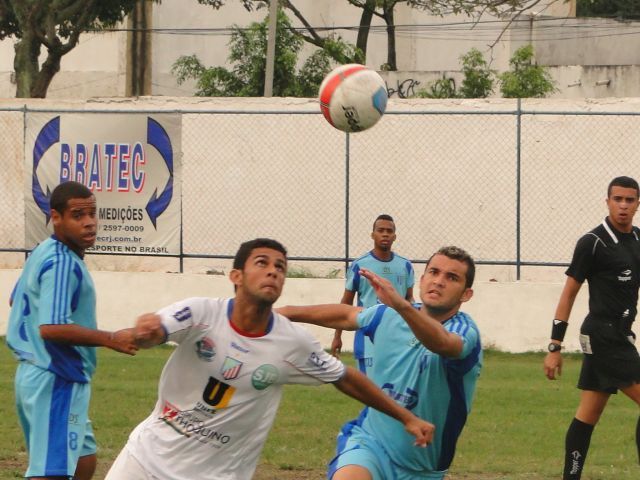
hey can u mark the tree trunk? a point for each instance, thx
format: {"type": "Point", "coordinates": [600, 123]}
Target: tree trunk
{"type": "Point", "coordinates": [50, 67]}
{"type": "Point", "coordinates": [365, 26]}
{"type": "Point", "coordinates": [391, 37]}
{"type": "Point", "coordinates": [25, 63]}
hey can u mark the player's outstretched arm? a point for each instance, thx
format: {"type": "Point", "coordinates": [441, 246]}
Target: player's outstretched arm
{"type": "Point", "coordinates": [338, 315]}
{"type": "Point", "coordinates": [121, 341]}
{"type": "Point", "coordinates": [357, 385]}
{"type": "Point", "coordinates": [427, 330]}
{"type": "Point", "coordinates": [336, 344]}
{"type": "Point", "coordinates": [149, 331]}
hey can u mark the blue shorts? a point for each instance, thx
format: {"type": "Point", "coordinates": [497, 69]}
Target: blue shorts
{"type": "Point", "coordinates": [53, 413]}
{"type": "Point", "coordinates": [357, 447]}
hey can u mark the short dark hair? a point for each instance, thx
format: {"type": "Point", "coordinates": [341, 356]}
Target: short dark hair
{"type": "Point", "coordinates": [383, 216]}
{"type": "Point", "coordinates": [246, 248]}
{"type": "Point", "coordinates": [65, 192]}
{"type": "Point", "coordinates": [624, 182]}
{"type": "Point", "coordinates": [457, 253]}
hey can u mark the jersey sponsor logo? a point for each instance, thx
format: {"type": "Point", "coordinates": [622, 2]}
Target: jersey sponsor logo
{"type": "Point", "coordinates": [408, 399]}
{"type": "Point", "coordinates": [264, 376]}
{"type": "Point", "coordinates": [624, 276]}
{"type": "Point", "coordinates": [239, 348]}
{"type": "Point", "coordinates": [217, 394]}
{"type": "Point", "coordinates": [182, 315]}
{"type": "Point", "coordinates": [206, 349]}
{"type": "Point", "coordinates": [231, 368]}
{"type": "Point", "coordinates": [315, 359]}
{"type": "Point", "coordinates": [625, 314]}
{"type": "Point", "coordinates": [191, 425]}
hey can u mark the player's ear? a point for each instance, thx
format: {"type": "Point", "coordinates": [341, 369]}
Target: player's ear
{"type": "Point", "coordinates": [56, 217]}
{"type": "Point", "coordinates": [466, 295]}
{"type": "Point", "coordinates": [235, 276]}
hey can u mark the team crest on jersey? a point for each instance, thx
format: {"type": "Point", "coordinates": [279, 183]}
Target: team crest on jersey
{"type": "Point", "coordinates": [264, 376]}
{"type": "Point", "coordinates": [206, 349]}
{"type": "Point", "coordinates": [182, 315]}
{"type": "Point", "coordinates": [231, 368]}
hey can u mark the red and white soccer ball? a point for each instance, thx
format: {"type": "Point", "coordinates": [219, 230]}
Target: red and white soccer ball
{"type": "Point", "coordinates": [353, 97]}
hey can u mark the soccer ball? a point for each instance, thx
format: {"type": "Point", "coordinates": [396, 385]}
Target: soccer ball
{"type": "Point", "coordinates": [353, 97]}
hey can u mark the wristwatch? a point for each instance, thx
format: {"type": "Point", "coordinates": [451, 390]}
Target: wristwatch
{"type": "Point", "coordinates": [554, 347]}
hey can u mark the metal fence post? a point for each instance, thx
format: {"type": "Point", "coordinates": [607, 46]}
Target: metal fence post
{"type": "Point", "coordinates": [518, 172]}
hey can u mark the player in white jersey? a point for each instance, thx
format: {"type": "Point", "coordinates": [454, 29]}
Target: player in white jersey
{"type": "Point", "coordinates": [427, 357]}
{"type": "Point", "coordinates": [220, 389]}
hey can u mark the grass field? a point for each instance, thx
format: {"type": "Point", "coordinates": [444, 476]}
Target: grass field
{"type": "Point", "coordinates": [515, 431]}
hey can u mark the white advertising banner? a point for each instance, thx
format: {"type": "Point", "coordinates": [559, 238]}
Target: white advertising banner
{"type": "Point", "coordinates": [130, 161]}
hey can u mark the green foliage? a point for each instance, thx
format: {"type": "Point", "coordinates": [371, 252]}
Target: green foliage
{"type": "Point", "coordinates": [247, 55]}
{"type": "Point", "coordinates": [478, 77]}
{"type": "Point", "coordinates": [525, 79]}
{"type": "Point", "coordinates": [477, 82]}
{"type": "Point", "coordinates": [627, 9]}
{"type": "Point", "coordinates": [54, 27]}
{"type": "Point", "coordinates": [444, 87]}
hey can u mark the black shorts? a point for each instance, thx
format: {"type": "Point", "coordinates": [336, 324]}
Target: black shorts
{"type": "Point", "coordinates": [611, 360]}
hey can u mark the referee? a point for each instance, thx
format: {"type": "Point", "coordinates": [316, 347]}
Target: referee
{"type": "Point", "coordinates": [608, 257]}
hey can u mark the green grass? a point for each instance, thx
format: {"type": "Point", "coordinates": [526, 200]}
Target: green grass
{"type": "Point", "coordinates": [515, 431]}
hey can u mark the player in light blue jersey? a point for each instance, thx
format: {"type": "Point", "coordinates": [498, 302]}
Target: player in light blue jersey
{"type": "Point", "coordinates": [385, 263]}
{"type": "Point", "coordinates": [52, 332]}
{"type": "Point", "coordinates": [426, 356]}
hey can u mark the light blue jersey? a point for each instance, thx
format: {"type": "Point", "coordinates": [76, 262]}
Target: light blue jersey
{"type": "Point", "coordinates": [433, 387]}
{"type": "Point", "coordinates": [55, 288]}
{"type": "Point", "coordinates": [398, 270]}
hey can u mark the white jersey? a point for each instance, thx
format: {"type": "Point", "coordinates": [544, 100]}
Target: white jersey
{"type": "Point", "coordinates": [220, 390]}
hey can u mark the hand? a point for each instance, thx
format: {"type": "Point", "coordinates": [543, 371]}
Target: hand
{"type": "Point", "coordinates": [336, 344]}
{"type": "Point", "coordinates": [385, 291]}
{"type": "Point", "coordinates": [422, 431]}
{"type": "Point", "coordinates": [553, 365]}
{"type": "Point", "coordinates": [148, 331]}
{"type": "Point", "coordinates": [123, 341]}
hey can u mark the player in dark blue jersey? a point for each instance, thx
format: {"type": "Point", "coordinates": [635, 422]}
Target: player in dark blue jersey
{"type": "Point", "coordinates": [52, 332]}
{"type": "Point", "coordinates": [608, 257]}
{"type": "Point", "coordinates": [383, 262]}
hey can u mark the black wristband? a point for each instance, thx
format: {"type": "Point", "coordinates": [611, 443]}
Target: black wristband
{"type": "Point", "coordinates": [558, 330]}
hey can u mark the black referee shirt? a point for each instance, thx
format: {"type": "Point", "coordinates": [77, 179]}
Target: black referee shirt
{"type": "Point", "coordinates": [610, 261]}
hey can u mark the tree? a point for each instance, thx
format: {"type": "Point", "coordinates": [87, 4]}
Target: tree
{"type": "Point", "coordinates": [478, 77]}
{"type": "Point", "coordinates": [54, 25]}
{"type": "Point", "coordinates": [477, 82]}
{"type": "Point", "coordinates": [247, 56]}
{"type": "Point", "coordinates": [525, 79]}
{"type": "Point", "coordinates": [384, 9]}
{"type": "Point", "coordinates": [627, 9]}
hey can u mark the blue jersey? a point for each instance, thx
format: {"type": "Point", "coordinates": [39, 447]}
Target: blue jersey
{"type": "Point", "coordinates": [55, 288]}
{"type": "Point", "coordinates": [397, 270]}
{"type": "Point", "coordinates": [437, 389]}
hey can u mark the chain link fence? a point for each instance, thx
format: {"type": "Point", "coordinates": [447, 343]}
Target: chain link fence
{"type": "Point", "coordinates": [512, 186]}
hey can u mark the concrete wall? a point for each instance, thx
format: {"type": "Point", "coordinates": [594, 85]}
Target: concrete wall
{"type": "Point", "coordinates": [513, 317]}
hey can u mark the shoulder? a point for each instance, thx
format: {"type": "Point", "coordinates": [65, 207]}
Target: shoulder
{"type": "Point", "coordinates": [462, 324]}
{"type": "Point", "coordinates": [594, 238]}
{"type": "Point", "coordinates": [362, 258]}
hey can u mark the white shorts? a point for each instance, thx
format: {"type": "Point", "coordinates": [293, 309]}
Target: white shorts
{"type": "Point", "coordinates": [127, 467]}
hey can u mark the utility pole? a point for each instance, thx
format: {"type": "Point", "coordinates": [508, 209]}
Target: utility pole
{"type": "Point", "coordinates": [271, 48]}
